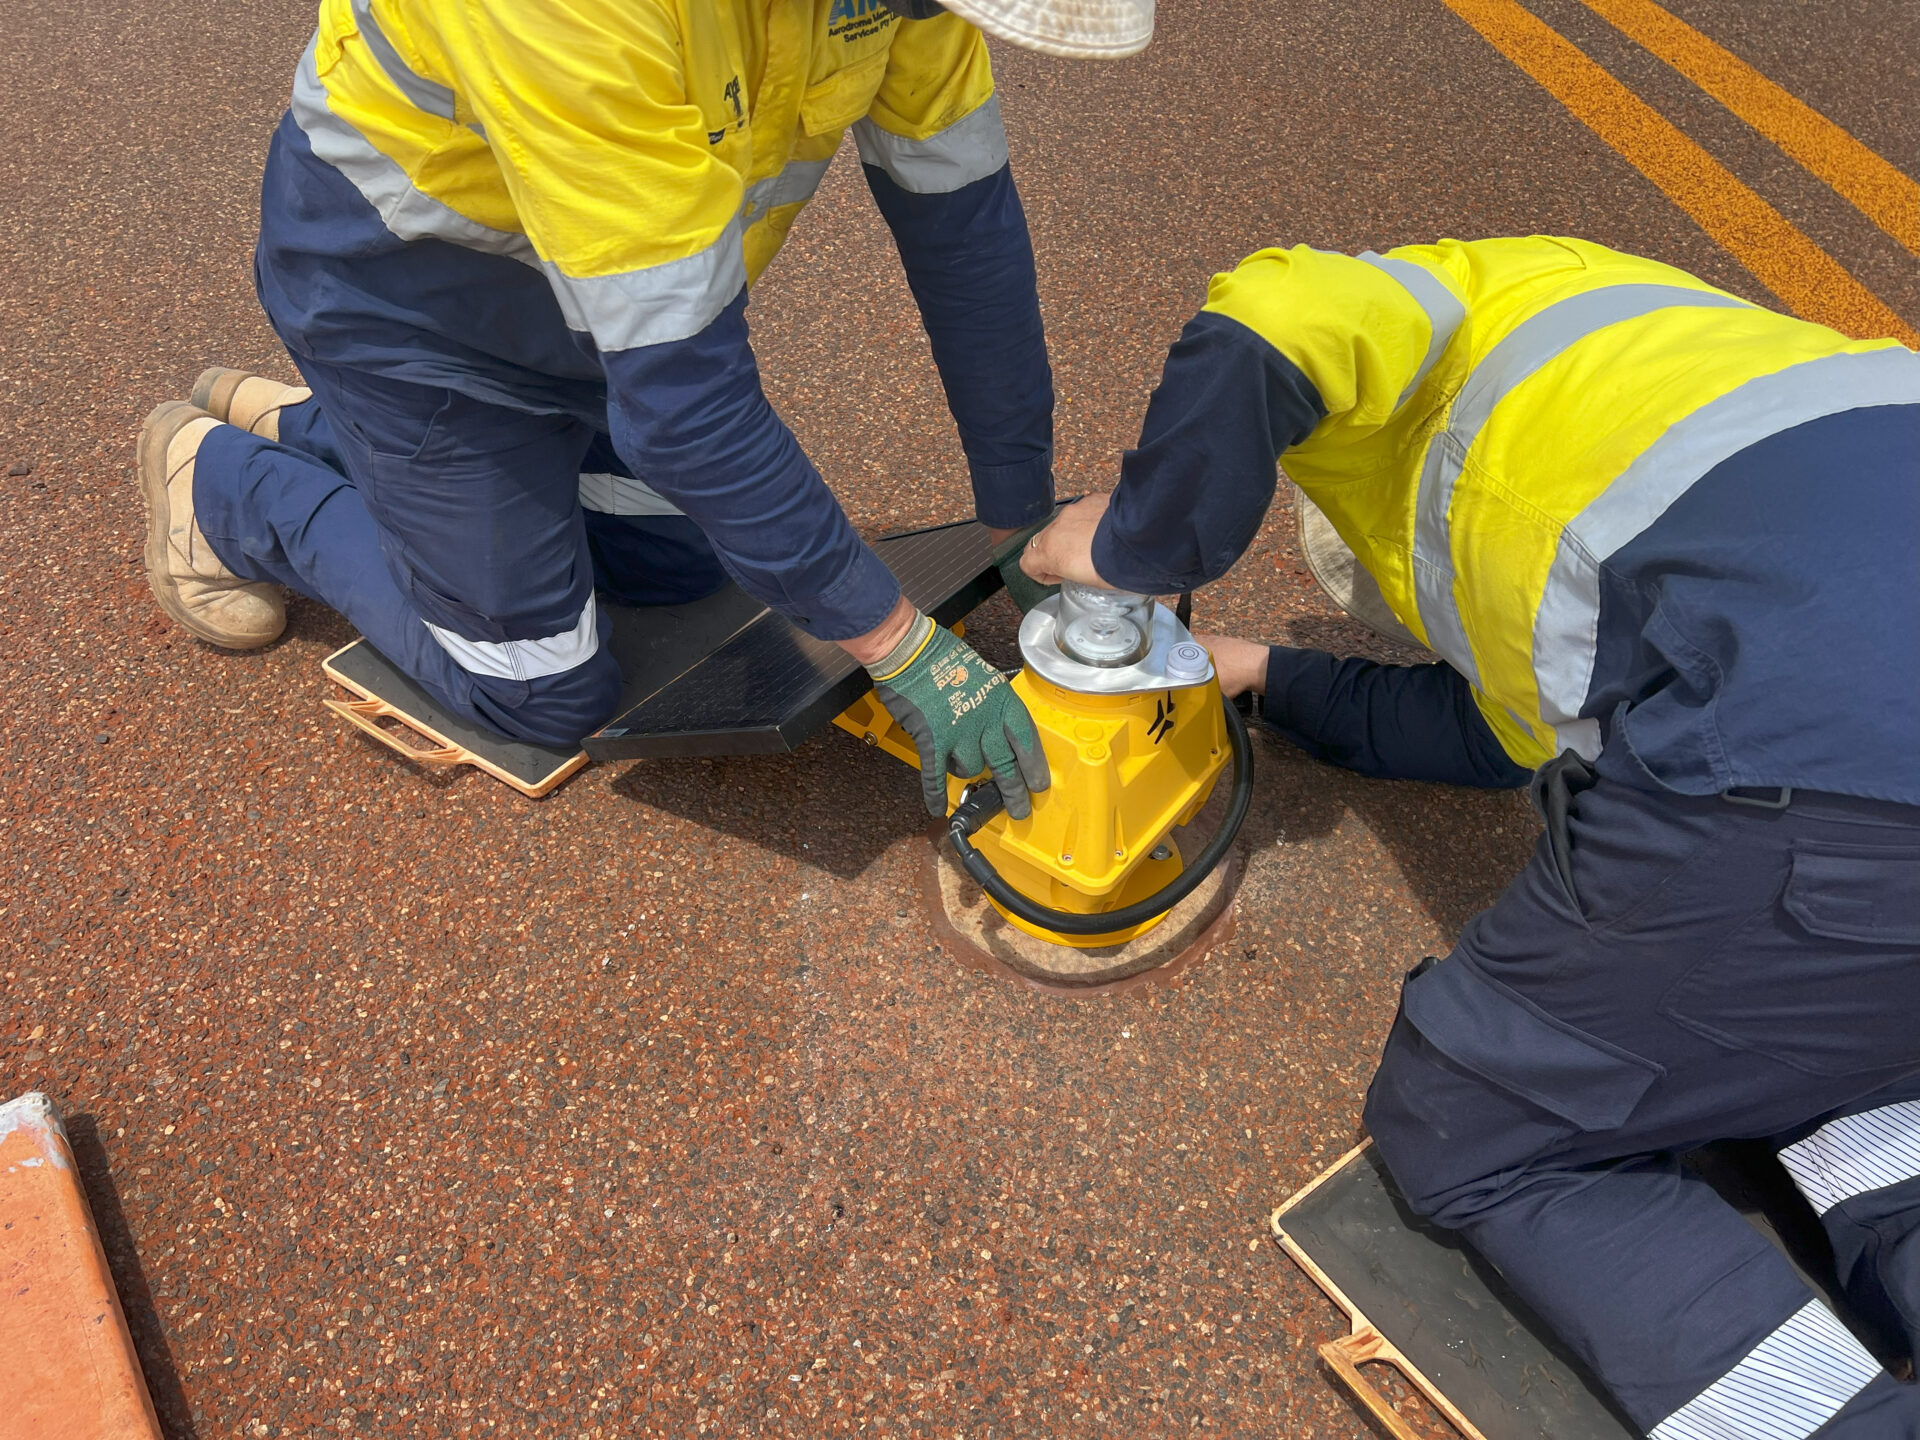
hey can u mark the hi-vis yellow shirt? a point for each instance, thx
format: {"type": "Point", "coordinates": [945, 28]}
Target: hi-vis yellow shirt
{"type": "Point", "coordinates": [648, 155]}
{"type": "Point", "coordinates": [1502, 416]}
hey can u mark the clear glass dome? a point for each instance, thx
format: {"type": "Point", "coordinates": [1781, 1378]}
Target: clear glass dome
{"type": "Point", "coordinates": [1104, 628]}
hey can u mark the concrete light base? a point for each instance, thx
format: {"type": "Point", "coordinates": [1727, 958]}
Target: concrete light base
{"type": "Point", "coordinates": [979, 936]}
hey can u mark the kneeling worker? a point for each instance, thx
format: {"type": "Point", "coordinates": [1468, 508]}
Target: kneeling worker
{"type": "Point", "coordinates": [508, 246]}
{"type": "Point", "coordinates": [1665, 542]}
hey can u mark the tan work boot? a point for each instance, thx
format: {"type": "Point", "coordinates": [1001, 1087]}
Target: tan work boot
{"type": "Point", "coordinates": [187, 577]}
{"type": "Point", "coordinates": [252, 402]}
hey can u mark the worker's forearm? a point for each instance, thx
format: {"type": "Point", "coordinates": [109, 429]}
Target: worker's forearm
{"type": "Point", "coordinates": [1395, 722]}
{"type": "Point", "coordinates": [690, 418]}
{"type": "Point", "coordinates": [1192, 496]}
{"type": "Point", "coordinates": [969, 263]}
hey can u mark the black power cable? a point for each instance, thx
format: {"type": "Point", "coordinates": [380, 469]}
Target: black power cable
{"type": "Point", "coordinates": [982, 802]}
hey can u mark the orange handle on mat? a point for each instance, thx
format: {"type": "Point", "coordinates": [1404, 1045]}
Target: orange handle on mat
{"type": "Point", "coordinates": [363, 714]}
{"type": "Point", "coordinates": [1346, 1355]}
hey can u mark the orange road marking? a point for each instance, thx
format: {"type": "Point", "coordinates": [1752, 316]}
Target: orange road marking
{"type": "Point", "coordinates": [1873, 186]}
{"type": "Point", "coordinates": [1812, 283]}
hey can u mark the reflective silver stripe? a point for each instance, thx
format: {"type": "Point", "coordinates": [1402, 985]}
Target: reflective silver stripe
{"type": "Point", "coordinates": [1445, 313]}
{"type": "Point", "coordinates": [970, 149]}
{"type": "Point", "coordinates": [640, 307]}
{"type": "Point", "coordinates": [1532, 344]}
{"type": "Point", "coordinates": [1855, 1154]}
{"type": "Point", "coordinates": [1566, 631]}
{"type": "Point", "coordinates": [796, 182]}
{"type": "Point", "coordinates": [525, 659]}
{"type": "Point", "coordinates": [622, 495]}
{"type": "Point", "coordinates": [1785, 1388]}
{"type": "Point", "coordinates": [657, 304]}
{"type": "Point", "coordinates": [404, 210]}
{"type": "Point", "coordinates": [428, 95]}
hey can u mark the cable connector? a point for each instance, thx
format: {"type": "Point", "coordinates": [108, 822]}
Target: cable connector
{"type": "Point", "coordinates": [979, 803]}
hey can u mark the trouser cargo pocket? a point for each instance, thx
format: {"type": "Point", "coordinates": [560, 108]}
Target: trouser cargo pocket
{"type": "Point", "coordinates": [1478, 1082]}
{"type": "Point", "coordinates": [1827, 980]}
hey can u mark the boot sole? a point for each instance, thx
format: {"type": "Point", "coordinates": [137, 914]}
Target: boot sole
{"type": "Point", "coordinates": [156, 434]}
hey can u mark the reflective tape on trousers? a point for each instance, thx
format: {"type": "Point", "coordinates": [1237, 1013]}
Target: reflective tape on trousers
{"type": "Point", "coordinates": [525, 659]}
{"type": "Point", "coordinates": [1785, 1388]}
{"type": "Point", "coordinates": [623, 495]}
{"type": "Point", "coordinates": [1532, 344]}
{"type": "Point", "coordinates": [1856, 1155]}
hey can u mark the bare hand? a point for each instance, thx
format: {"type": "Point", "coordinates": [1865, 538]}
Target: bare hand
{"type": "Point", "coordinates": [1240, 664]}
{"type": "Point", "coordinates": [1064, 550]}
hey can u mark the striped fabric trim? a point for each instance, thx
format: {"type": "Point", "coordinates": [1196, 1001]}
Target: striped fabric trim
{"type": "Point", "coordinates": [424, 94]}
{"type": "Point", "coordinates": [1856, 1154]}
{"type": "Point", "coordinates": [655, 305]}
{"type": "Point", "coordinates": [406, 211]}
{"type": "Point", "coordinates": [650, 306]}
{"type": "Point", "coordinates": [794, 185]}
{"type": "Point", "coordinates": [970, 149]}
{"type": "Point", "coordinates": [525, 659]}
{"type": "Point", "coordinates": [1566, 630]}
{"type": "Point", "coordinates": [1445, 312]}
{"type": "Point", "coordinates": [1786, 1387]}
{"type": "Point", "coordinates": [1510, 363]}
{"type": "Point", "coordinates": [623, 495]}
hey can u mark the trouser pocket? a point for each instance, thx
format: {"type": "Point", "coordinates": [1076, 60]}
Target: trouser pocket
{"type": "Point", "coordinates": [1827, 979]}
{"type": "Point", "coordinates": [1552, 790]}
{"type": "Point", "coordinates": [1478, 1082]}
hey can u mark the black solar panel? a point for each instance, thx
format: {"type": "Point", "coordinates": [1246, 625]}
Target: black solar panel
{"type": "Point", "coordinates": [727, 676]}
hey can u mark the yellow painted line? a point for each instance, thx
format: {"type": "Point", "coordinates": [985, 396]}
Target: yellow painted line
{"type": "Point", "coordinates": [1811, 282]}
{"type": "Point", "coordinates": [1873, 186]}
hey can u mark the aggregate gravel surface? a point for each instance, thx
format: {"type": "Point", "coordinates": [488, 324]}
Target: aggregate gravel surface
{"type": "Point", "coordinates": [408, 1107]}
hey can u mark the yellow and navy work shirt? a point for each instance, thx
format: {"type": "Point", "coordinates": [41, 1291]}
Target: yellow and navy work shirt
{"type": "Point", "coordinates": [560, 204]}
{"type": "Point", "coordinates": [1620, 502]}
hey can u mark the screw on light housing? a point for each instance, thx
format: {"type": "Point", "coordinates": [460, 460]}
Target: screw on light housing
{"type": "Point", "coordinates": [1107, 629]}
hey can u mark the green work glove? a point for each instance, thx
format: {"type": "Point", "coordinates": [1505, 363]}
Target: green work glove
{"type": "Point", "coordinates": [1026, 591]}
{"type": "Point", "coordinates": [963, 716]}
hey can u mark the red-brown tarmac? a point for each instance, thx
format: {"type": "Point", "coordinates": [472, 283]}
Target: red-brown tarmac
{"type": "Point", "coordinates": [409, 1107]}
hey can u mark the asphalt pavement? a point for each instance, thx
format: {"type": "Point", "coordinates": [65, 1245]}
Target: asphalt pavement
{"type": "Point", "coordinates": [409, 1107]}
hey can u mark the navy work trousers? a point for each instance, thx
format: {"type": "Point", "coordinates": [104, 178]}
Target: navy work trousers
{"type": "Point", "coordinates": [451, 533]}
{"type": "Point", "coordinates": [1666, 972]}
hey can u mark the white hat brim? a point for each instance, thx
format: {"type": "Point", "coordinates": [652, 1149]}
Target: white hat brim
{"type": "Point", "coordinates": [1340, 573]}
{"type": "Point", "coordinates": [1072, 29]}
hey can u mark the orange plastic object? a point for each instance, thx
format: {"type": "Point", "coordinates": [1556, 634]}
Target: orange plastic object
{"type": "Point", "coordinates": [70, 1367]}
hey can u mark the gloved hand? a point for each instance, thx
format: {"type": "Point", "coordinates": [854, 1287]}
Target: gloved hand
{"type": "Point", "coordinates": [963, 716]}
{"type": "Point", "coordinates": [1026, 591]}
